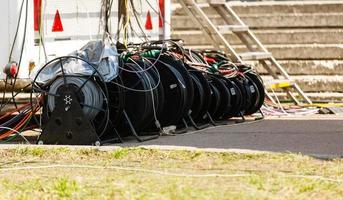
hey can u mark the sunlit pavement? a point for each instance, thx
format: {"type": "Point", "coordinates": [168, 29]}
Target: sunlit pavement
{"type": "Point", "coordinates": [319, 135]}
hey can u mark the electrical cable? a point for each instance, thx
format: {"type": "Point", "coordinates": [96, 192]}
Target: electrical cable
{"type": "Point", "coordinates": [138, 21]}
{"type": "Point", "coordinates": [16, 94]}
{"type": "Point", "coordinates": [17, 134]}
{"type": "Point", "coordinates": [157, 123]}
{"type": "Point", "coordinates": [143, 70]}
{"type": "Point", "coordinates": [21, 53]}
{"type": "Point", "coordinates": [90, 97]}
{"type": "Point", "coordinates": [152, 66]}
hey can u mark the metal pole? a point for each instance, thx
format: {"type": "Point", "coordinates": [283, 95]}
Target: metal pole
{"type": "Point", "coordinates": [167, 19]}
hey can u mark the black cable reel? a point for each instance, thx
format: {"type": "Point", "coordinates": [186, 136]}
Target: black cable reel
{"type": "Point", "coordinates": [143, 95]}
{"type": "Point", "coordinates": [75, 108]}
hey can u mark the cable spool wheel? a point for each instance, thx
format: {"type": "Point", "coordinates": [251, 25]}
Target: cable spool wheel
{"type": "Point", "coordinates": [237, 107]}
{"type": "Point", "coordinates": [206, 96]}
{"type": "Point", "coordinates": [215, 99]}
{"type": "Point", "coordinates": [254, 95]}
{"type": "Point", "coordinates": [224, 106]}
{"type": "Point", "coordinates": [175, 93]}
{"type": "Point", "coordinates": [117, 103]}
{"type": "Point", "coordinates": [178, 65]}
{"type": "Point", "coordinates": [138, 99]}
{"type": "Point", "coordinates": [236, 99]}
{"type": "Point", "coordinates": [199, 97]}
{"type": "Point", "coordinates": [255, 87]}
{"type": "Point", "coordinates": [156, 83]}
{"type": "Point", "coordinates": [158, 92]}
{"type": "Point", "coordinates": [249, 94]}
{"type": "Point", "coordinates": [90, 90]}
{"type": "Point", "coordinates": [259, 87]}
{"type": "Point", "coordinates": [245, 103]}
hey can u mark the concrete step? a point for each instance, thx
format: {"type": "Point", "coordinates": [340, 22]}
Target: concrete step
{"type": "Point", "coordinates": [318, 83]}
{"type": "Point", "coordinates": [295, 7]}
{"type": "Point", "coordinates": [316, 96]}
{"type": "Point", "coordinates": [273, 7]}
{"type": "Point", "coordinates": [307, 67]}
{"type": "Point", "coordinates": [295, 51]}
{"type": "Point", "coordinates": [272, 36]}
{"type": "Point", "coordinates": [183, 22]}
{"type": "Point", "coordinates": [326, 96]}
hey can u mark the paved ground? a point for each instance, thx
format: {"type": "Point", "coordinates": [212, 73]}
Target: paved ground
{"type": "Point", "coordinates": [314, 136]}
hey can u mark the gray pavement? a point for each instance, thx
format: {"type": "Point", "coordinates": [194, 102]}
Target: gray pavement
{"type": "Point", "coordinates": [317, 136]}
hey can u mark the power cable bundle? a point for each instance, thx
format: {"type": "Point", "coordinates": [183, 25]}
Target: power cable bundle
{"type": "Point", "coordinates": [241, 88]}
{"type": "Point", "coordinates": [14, 121]}
{"type": "Point", "coordinates": [166, 85]}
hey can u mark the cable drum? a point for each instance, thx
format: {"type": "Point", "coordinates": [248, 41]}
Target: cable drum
{"type": "Point", "coordinates": [138, 99]}
{"type": "Point", "coordinates": [206, 96]}
{"type": "Point", "coordinates": [188, 83]}
{"type": "Point", "coordinates": [90, 96]}
{"type": "Point", "coordinates": [175, 93]}
{"type": "Point", "coordinates": [259, 87]}
{"type": "Point", "coordinates": [236, 99]}
{"type": "Point", "coordinates": [199, 97]}
{"type": "Point", "coordinates": [224, 92]}
{"type": "Point", "coordinates": [90, 90]}
{"type": "Point", "coordinates": [116, 101]}
{"type": "Point", "coordinates": [215, 99]}
{"type": "Point", "coordinates": [245, 101]}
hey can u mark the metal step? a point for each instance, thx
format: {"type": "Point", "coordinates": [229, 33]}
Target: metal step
{"type": "Point", "coordinates": [255, 55]}
{"type": "Point", "coordinates": [232, 28]}
{"type": "Point", "coordinates": [279, 83]}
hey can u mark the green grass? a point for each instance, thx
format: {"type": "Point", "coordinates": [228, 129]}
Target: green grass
{"type": "Point", "coordinates": [136, 173]}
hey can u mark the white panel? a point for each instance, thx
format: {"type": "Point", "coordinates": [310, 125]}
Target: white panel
{"type": "Point", "coordinates": [9, 12]}
{"type": "Point", "coordinates": [4, 35]}
{"type": "Point", "coordinates": [80, 19]}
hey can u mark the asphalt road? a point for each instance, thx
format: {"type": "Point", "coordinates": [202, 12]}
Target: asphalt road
{"type": "Point", "coordinates": [317, 137]}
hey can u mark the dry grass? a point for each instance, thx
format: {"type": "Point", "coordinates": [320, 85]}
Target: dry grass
{"type": "Point", "coordinates": [62, 173]}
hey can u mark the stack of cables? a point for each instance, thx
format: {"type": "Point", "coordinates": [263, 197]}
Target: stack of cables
{"type": "Point", "coordinates": [166, 85]}
{"type": "Point", "coordinates": [15, 121]}
{"type": "Point", "coordinates": [142, 92]}
{"type": "Point", "coordinates": [220, 63]}
{"type": "Point", "coordinates": [236, 88]}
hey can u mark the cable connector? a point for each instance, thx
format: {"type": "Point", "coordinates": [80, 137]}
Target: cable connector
{"type": "Point", "coordinates": [11, 69]}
